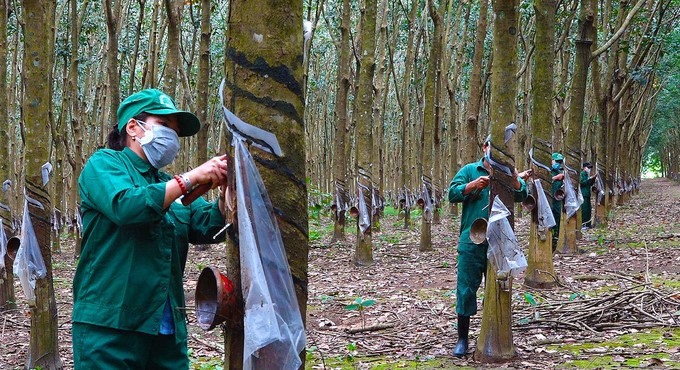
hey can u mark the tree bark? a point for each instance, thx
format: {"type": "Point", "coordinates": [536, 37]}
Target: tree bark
{"type": "Point", "coordinates": [174, 10]}
{"type": "Point", "coordinates": [7, 296]}
{"type": "Point", "coordinates": [573, 152]}
{"type": "Point", "coordinates": [264, 79]}
{"type": "Point", "coordinates": [539, 256]}
{"type": "Point", "coordinates": [476, 88]}
{"type": "Point", "coordinates": [37, 107]}
{"type": "Point", "coordinates": [112, 10]}
{"type": "Point", "coordinates": [363, 255]}
{"type": "Point", "coordinates": [202, 84]}
{"type": "Point", "coordinates": [341, 125]}
{"type": "Point", "coordinates": [495, 342]}
{"type": "Point", "coordinates": [430, 125]}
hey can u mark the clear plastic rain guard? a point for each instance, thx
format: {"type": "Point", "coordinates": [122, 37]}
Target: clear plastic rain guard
{"type": "Point", "coordinates": [600, 188]}
{"type": "Point", "coordinates": [503, 253]}
{"type": "Point", "coordinates": [274, 332]}
{"type": "Point", "coordinates": [571, 203]}
{"type": "Point", "coordinates": [29, 265]}
{"type": "Point", "coordinates": [3, 245]}
{"type": "Point", "coordinates": [428, 209]}
{"type": "Point", "coordinates": [545, 217]}
{"type": "Point", "coordinates": [364, 216]}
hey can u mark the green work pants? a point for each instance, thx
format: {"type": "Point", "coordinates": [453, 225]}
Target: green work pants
{"type": "Point", "coordinates": [586, 212]}
{"type": "Point", "coordinates": [471, 269]}
{"type": "Point", "coordinates": [557, 214]}
{"type": "Point", "coordinates": [99, 347]}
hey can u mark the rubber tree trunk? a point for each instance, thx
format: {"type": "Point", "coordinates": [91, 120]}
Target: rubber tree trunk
{"type": "Point", "coordinates": [430, 125]}
{"type": "Point", "coordinates": [263, 86]}
{"type": "Point", "coordinates": [341, 125]}
{"type": "Point", "coordinates": [37, 109]}
{"type": "Point", "coordinates": [363, 254]}
{"type": "Point", "coordinates": [573, 153]}
{"type": "Point", "coordinates": [405, 118]}
{"type": "Point", "coordinates": [495, 342]}
{"type": "Point", "coordinates": [539, 256]}
{"type": "Point", "coordinates": [7, 296]}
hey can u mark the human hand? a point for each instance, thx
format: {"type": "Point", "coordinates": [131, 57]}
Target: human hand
{"type": "Point", "coordinates": [559, 177]}
{"type": "Point", "coordinates": [212, 172]}
{"type": "Point", "coordinates": [524, 175]}
{"type": "Point", "coordinates": [481, 182]}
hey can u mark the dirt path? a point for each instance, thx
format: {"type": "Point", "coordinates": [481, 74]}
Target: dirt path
{"type": "Point", "coordinates": [415, 292]}
{"type": "Point", "coordinates": [414, 295]}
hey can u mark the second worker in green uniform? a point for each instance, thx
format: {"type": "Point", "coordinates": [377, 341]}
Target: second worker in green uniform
{"type": "Point", "coordinates": [557, 191]}
{"type": "Point", "coordinates": [470, 186]}
{"type": "Point", "coordinates": [586, 182]}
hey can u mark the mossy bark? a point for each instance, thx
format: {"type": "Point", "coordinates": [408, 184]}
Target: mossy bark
{"type": "Point", "coordinates": [363, 254]}
{"type": "Point", "coordinates": [431, 125]}
{"type": "Point", "coordinates": [495, 340]}
{"type": "Point", "coordinates": [7, 296]}
{"type": "Point", "coordinates": [341, 122]}
{"type": "Point", "coordinates": [264, 87]}
{"type": "Point", "coordinates": [37, 107]}
{"type": "Point", "coordinates": [539, 256]}
{"type": "Point", "coordinates": [573, 152]}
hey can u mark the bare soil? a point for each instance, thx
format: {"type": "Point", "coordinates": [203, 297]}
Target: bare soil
{"type": "Point", "coordinates": [413, 321]}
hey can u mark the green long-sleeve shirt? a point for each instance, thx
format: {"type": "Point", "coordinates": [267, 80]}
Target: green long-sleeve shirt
{"type": "Point", "coordinates": [556, 184]}
{"type": "Point", "coordinates": [474, 204]}
{"type": "Point", "coordinates": [133, 251]}
{"type": "Point", "coordinates": [586, 183]}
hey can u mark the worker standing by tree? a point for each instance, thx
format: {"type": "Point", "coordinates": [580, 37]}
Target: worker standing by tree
{"type": "Point", "coordinates": [470, 186]}
{"type": "Point", "coordinates": [128, 290]}
{"type": "Point", "coordinates": [557, 173]}
{"type": "Point", "coordinates": [586, 182]}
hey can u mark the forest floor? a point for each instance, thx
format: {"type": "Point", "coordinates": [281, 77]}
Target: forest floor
{"type": "Point", "coordinates": [616, 304]}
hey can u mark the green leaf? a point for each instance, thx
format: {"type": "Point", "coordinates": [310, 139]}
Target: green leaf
{"type": "Point", "coordinates": [574, 296]}
{"type": "Point", "coordinates": [530, 298]}
{"type": "Point", "coordinates": [368, 303]}
{"type": "Point", "coordinates": [352, 347]}
{"type": "Point", "coordinates": [352, 307]}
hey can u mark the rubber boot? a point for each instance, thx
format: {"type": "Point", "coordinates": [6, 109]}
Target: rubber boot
{"type": "Point", "coordinates": [463, 330]}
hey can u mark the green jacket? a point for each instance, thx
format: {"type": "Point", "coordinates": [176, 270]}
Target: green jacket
{"type": "Point", "coordinates": [134, 252]}
{"type": "Point", "coordinates": [586, 183]}
{"type": "Point", "coordinates": [556, 184]}
{"type": "Point", "coordinates": [474, 206]}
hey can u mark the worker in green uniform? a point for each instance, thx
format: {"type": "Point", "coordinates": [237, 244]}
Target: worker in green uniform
{"type": "Point", "coordinates": [586, 182]}
{"type": "Point", "coordinates": [557, 173]}
{"type": "Point", "coordinates": [127, 290]}
{"type": "Point", "coordinates": [470, 186]}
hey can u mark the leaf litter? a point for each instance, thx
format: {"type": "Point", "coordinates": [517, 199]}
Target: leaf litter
{"type": "Point", "coordinates": [625, 285]}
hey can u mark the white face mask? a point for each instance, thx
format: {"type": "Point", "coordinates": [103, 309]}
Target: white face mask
{"type": "Point", "coordinates": [587, 170]}
{"type": "Point", "coordinates": [160, 144]}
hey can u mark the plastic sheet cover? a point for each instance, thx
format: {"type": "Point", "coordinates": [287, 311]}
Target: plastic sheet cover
{"type": "Point", "coordinates": [571, 203]}
{"type": "Point", "coordinates": [29, 265]}
{"type": "Point", "coordinates": [503, 253]}
{"type": "Point", "coordinates": [3, 245]}
{"type": "Point", "coordinates": [428, 208]}
{"type": "Point", "coordinates": [600, 188]}
{"type": "Point", "coordinates": [364, 216]}
{"type": "Point", "coordinates": [545, 216]}
{"type": "Point", "coordinates": [274, 332]}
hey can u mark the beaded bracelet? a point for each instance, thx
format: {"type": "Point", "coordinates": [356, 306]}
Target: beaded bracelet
{"type": "Point", "coordinates": [183, 187]}
{"type": "Point", "coordinates": [187, 182]}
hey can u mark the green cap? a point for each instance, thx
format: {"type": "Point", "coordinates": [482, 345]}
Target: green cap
{"type": "Point", "coordinates": [557, 156]}
{"type": "Point", "coordinates": [156, 102]}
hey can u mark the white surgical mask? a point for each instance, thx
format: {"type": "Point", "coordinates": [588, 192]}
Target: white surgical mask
{"type": "Point", "coordinates": [587, 170]}
{"type": "Point", "coordinates": [160, 144]}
